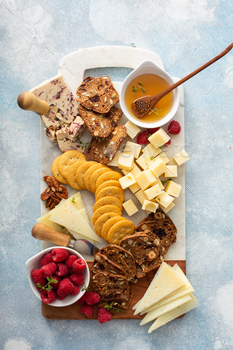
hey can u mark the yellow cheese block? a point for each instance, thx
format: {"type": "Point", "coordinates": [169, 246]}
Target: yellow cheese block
{"type": "Point", "coordinates": [181, 158]}
{"type": "Point", "coordinates": [132, 148]}
{"type": "Point", "coordinates": [132, 129]}
{"type": "Point", "coordinates": [125, 161]}
{"type": "Point", "coordinates": [130, 207]}
{"type": "Point", "coordinates": [159, 138]}
{"type": "Point", "coordinates": [149, 206]}
{"type": "Point", "coordinates": [173, 189]}
{"type": "Point", "coordinates": [145, 179]}
{"type": "Point", "coordinates": [127, 181]}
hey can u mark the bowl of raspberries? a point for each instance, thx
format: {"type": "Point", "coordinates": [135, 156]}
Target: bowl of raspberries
{"type": "Point", "coordinates": [58, 276]}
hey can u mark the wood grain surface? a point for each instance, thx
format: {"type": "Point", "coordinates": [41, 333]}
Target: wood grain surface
{"type": "Point", "coordinates": [72, 312]}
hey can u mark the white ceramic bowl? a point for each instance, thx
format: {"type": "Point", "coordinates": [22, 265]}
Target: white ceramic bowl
{"type": "Point", "coordinates": [148, 67]}
{"type": "Point", "coordinates": [33, 263]}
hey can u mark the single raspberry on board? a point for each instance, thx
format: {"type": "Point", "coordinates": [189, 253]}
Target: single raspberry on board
{"type": "Point", "coordinates": [142, 138]}
{"type": "Point", "coordinates": [46, 259]}
{"type": "Point", "coordinates": [82, 300]}
{"type": "Point", "coordinates": [38, 276]}
{"type": "Point", "coordinates": [104, 315]}
{"type": "Point", "coordinates": [55, 285]}
{"type": "Point", "coordinates": [49, 269]}
{"type": "Point", "coordinates": [87, 310]}
{"type": "Point", "coordinates": [62, 270]}
{"type": "Point", "coordinates": [59, 254]}
{"type": "Point", "coordinates": [168, 142]}
{"type": "Point", "coordinates": [174, 128]}
{"type": "Point", "coordinates": [152, 130]}
{"type": "Point", "coordinates": [92, 298]}
{"type": "Point", "coordinates": [65, 287]}
{"type": "Point", "coordinates": [70, 260]}
{"type": "Point", "coordinates": [77, 278]}
{"type": "Point", "coordinates": [75, 291]}
{"type": "Point", "coordinates": [48, 296]}
{"type": "Point", "coordinates": [78, 265]}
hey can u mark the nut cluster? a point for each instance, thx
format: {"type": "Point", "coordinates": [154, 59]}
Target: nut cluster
{"type": "Point", "coordinates": [54, 193]}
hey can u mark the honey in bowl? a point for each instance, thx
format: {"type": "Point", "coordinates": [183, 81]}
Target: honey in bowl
{"type": "Point", "coordinates": [149, 84]}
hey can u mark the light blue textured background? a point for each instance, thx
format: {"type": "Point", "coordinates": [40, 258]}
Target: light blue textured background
{"type": "Point", "coordinates": [34, 36]}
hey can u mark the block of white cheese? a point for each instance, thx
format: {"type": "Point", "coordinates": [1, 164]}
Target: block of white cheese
{"type": "Point", "coordinates": [134, 170]}
{"type": "Point", "coordinates": [164, 157]}
{"type": "Point", "coordinates": [149, 206]}
{"type": "Point", "coordinates": [114, 161]}
{"type": "Point", "coordinates": [67, 215]}
{"type": "Point", "coordinates": [125, 161]}
{"type": "Point", "coordinates": [140, 195]}
{"type": "Point", "coordinates": [127, 181]}
{"type": "Point", "coordinates": [150, 151]}
{"type": "Point", "coordinates": [159, 138]}
{"type": "Point", "coordinates": [171, 171]}
{"type": "Point", "coordinates": [164, 199]}
{"type": "Point", "coordinates": [171, 315]}
{"type": "Point", "coordinates": [165, 282]}
{"type": "Point", "coordinates": [157, 167]}
{"type": "Point", "coordinates": [132, 129]}
{"type": "Point", "coordinates": [152, 192]}
{"type": "Point", "coordinates": [181, 157]}
{"type": "Point", "coordinates": [173, 189]}
{"type": "Point", "coordinates": [166, 210]}
{"type": "Point", "coordinates": [143, 161]}
{"type": "Point", "coordinates": [130, 207]}
{"type": "Point", "coordinates": [145, 179]}
{"type": "Point", "coordinates": [132, 148]}
{"type": "Point", "coordinates": [134, 188]}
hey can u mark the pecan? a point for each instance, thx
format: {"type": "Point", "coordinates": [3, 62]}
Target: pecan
{"type": "Point", "coordinates": [51, 182]}
{"type": "Point", "coordinates": [46, 194]}
{"type": "Point", "coordinates": [54, 193]}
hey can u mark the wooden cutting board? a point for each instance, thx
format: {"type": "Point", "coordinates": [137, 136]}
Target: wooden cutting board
{"type": "Point", "coordinates": [72, 312]}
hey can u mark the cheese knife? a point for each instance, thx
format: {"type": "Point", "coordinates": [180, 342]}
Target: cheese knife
{"type": "Point", "coordinates": [28, 101]}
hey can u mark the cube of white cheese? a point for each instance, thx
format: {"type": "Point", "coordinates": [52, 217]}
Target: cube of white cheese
{"type": "Point", "coordinates": [181, 158]}
{"type": "Point", "coordinates": [152, 192]}
{"type": "Point", "coordinates": [132, 129]}
{"type": "Point", "coordinates": [151, 151]}
{"type": "Point", "coordinates": [166, 210]}
{"type": "Point", "coordinates": [157, 167]}
{"type": "Point", "coordinates": [127, 181]}
{"type": "Point", "coordinates": [164, 157]}
{"type": "Point", "coordinates": [159, 138]}
{"type": "Point", "coordinates": [150, 206]}
{"type": "Point", "coordinates": [130, 207]}
{"type": "Point", "coordinates": [143, 161]}
{"type": "Point", "coordinates": [132, 148]}
{"type": "Point", "coordinates": [145, 179]}
{"type": "Point", "coordinates": [114, 161]}
{"type": "Point", "coordinates": [173, 189]}
{"type": "Point", "coordinates": [171, 171]}
{"type": "Point", "coordinates": [164, 199]}
{"type": "Point", "coordinates": [134, 170]}
{"type": "Point", "coordinates": [140, 195]}
{"type": "Point", "coordinates": [134, 188]}
{"type": "Point", "coordinates": [125, 161]}
{"type": "Point", "coordinates": [158, 182]}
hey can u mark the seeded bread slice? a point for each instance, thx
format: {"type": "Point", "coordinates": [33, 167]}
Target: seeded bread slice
{"type": "Point", "coordinates": [102, 264]}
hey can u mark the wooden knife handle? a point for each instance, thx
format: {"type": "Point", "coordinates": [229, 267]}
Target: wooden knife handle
{"type": "Point", "coordinates": [46, 233]}
{"type": "Point", "coordinates": [27, 100]}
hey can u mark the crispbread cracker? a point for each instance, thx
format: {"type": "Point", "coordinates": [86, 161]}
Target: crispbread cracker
{"type": "Point", "coordinates": [88, 174]}
{"type": "Point", "coordinates": [94, 177]}
{"type": "Point", "coordinates": [120, 230]}
{"type": "Point", "coordinates": [105, 209]}
{"type": "Point", "coordinates": [111, 191]}
{"type": "Point", "coordinates": [56, 173]}
{"type": "Point", "coordinates": [81, 171]}
{"type": "Point", "coordinates": [71, 175]}
{"type": "Point", "coordinates": [108, 224]}
{"type": "Point", "coordinates": [109, 200]}
{"type": "Point", "coordinates": [109, 175]}
{"type": "Point", "coordinates": [102, 220]}
{"type": "Point", "coordinates": [67, 159]}
{"type": "Point", "coordinates": [114, 183]}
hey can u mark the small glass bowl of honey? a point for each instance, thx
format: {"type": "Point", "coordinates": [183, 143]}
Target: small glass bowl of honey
{"type": "Point", "coordinates": [149, 79]}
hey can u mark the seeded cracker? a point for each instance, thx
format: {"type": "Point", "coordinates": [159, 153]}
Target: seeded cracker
{"type": "Point", "coordinates": [104, 149]}
{"type": "Point", "coordinates": [97, 94]}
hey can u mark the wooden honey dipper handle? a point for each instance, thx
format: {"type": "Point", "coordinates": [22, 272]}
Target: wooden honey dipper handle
{"type": "Point", "coordinates": [46, 233]}
{"type": "Point", "coordinates": [28, 101]}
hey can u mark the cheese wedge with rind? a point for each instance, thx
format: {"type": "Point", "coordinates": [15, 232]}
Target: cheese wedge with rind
{"type": "Point", "coordinates": [171, 315]}
{"type": "Point", "coordinates": [165, 282]}
{"type": "Point", "coordinates": [161, 310]}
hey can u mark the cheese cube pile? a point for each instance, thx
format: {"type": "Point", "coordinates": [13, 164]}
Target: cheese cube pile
{"type": "Point", "coordinates": [144, 167]}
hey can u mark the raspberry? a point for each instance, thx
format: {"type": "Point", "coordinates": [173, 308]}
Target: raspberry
{"type": "Point", "coordinates": [55, 285]}
{"type": "Point", "coordinates": [75, 291]}
{"type": "Point", "coordinates": [48, 296]}
{"type": "Point", "coordinates": [77, 279]}
{"type": "Point", "coordinates": [78, 265]}
{"type": "Point", "coordinates": [62, 270]}
{"type": "Point", "coordinates": [168, 142]}
{"type": "Point", "coordinates": [60, 298]}
{"type": "Point", "coordinates": [92, 298]}
{"type": "Point", "coordinates": [174, 128]}
{"type": "Point", "coordinates": [38, 276]}
{"type": "Point", "coordinates": [70, 260]}
{"type": "Point", "coordinates": [152, 130]}
{"type": "Point", "coordinates": [87, 310]}
{"type": "Point", "coordinates": [46, 259]}
{"type": "Point", "coordinates": [49, 269]}
{"type": "Point", "coordinates": [59, 254]}
{"type": "Point", "coordinates": [82, 300]}
{"type": "Point", "coordinates": [143, 138]}
{"type": "Point", "coordinates": [104, 315]}
{"type": "Point", "coordinates": [65, 287]}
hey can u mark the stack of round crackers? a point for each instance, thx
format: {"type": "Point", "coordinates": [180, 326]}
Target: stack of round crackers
{"type": "Point", "coordinates": [72, 168]}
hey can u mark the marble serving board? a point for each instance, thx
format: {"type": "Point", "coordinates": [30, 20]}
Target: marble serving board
{"type": "Point", "coordinates": [72, 68]}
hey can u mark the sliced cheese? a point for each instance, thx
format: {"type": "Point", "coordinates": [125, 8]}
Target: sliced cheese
{"type": "Point", "coordinates": [45, 220]}
{"type": "Point", "coordinates": [161, 310]}
{"type": "Point", "coordinates": [165, 282]}
{"type": "Point", "coordinates": [171, 315]}
{"type": "Point", "coordinates": [67, 215]}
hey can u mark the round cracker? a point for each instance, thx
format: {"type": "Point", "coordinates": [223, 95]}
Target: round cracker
{"type": "Point", "coordinates": [105, 209]}
{"type": "Point", "coordinates": [108, 183]}
{"type": "Point", "coordinates": [67, 159]}
{"type": "Point", "coordinates": [108, 224]}
{"type": "Point", "coordinates": [102, 220]}
{"type": "Point", "coordinates": [88, 174]}
{"type": "Point", "coordinates": [81, 171]}
{"type": "Point", "coordinates": [109, 200]}
{"type": "Point", "coordinates": [71, 175]}
{"type": "Point", "coordinates": [120, 230]}
{"type": "Point", "coordinates": [94, 177]}
{"type": "Point", "coordinates": [111, 191]}
{"type": "Point", "coordinates": [56, 172]}
{"type": "Point", "coordinates": [109, 175]}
